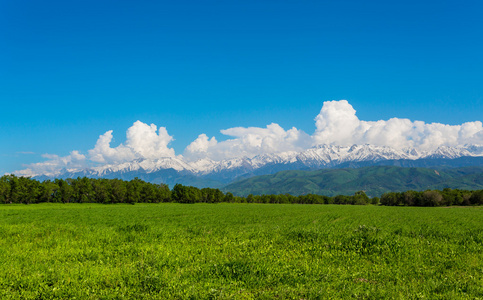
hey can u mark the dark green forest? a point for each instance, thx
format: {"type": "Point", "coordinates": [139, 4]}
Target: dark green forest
{"type": "Point", "coordinates": [25, 190]}
{"type": "Point", "coordinates": [374, 181]}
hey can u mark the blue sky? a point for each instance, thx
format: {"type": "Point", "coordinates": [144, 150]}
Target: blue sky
{"type": "Point", "coordinates": [72, 70]}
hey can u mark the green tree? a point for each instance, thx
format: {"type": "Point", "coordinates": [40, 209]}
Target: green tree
{"type": "Point", "coordinates": [389, 199]}
{"type": "Point", "coordinates": [186, 194]}
{"type": "Point", "coordinates": [360, 198]}
{"type": "Point", "coordinates": [163, 193]}
{"type": "Point", "coordinates": [148, 193]}
{"type": "Point", "coordinates": [64, 192]}
{"type": "Point", "coordinates": [82, 190]}
{"type": "Point", "coordinates": [179, 193]}
{"type": "Point", "coordinates": [432, 198]}
{"type": "Point", "coordinates": [133, 194]}
{"type": "Point", "coordinates": [476, 198]}
{"type": "Point", "coordinates": [118, 190]}
{"type": "Point", "coordinates": [4, 189]}
{"type": "Point", "coordinates": [47, 190]}
{"type": "Point", "coordinates": [101, 190]}
{"type": "Point", "coordinates": [15, 189]}
{"type": "Point", "coordinates": [229, 197]}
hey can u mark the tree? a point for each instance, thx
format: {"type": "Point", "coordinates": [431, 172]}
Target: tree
{"type": "Point", "coordinates": [47, 190]}
{"type": "Point", "coordinates": [476, 198]}
{"type": "Point", "coordinates": [340, 199]}
{"type": "Point", "coordinates": [163, 193]}
{"type": "Point", "coordinates": [4, 190]}
{"type": "Point", "coordinates": [179, 193]}
{"type": "Point", "coordinates": [432, 198]}
{"type": "Point", "coordinates": [133, 194]}
{"type": "Point", "coordinates": [410, 198]}
{"type": "Point", "coordinates": [64, 192]}
{"type": "Point", "coordinates": [101, 190]}
{"type": "Point", "coordinates": [15, 189]}
{"type": "Point", "coordinates": [118, 190]}
{"type": "Point", "coordinates": [229, 197]}
{"type": "Point", "coordinates": [82, 190]}
{"type": "Point", "coordinates": [148, 193]}
{"type": "Point", "coordinates": [360, 198]}
{"type": "Point", "coordinates": [31, 190]}
{"type": "Point", "coordinates": [389, 199]}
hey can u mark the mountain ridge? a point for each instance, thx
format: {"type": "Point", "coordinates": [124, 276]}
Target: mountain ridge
{"type": "Point", "coordinates": [373, 180]}
{"type": "Point", "coordinates": [206, 172]}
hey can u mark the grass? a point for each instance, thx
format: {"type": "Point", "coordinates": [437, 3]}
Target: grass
{"type": "Point", "coordinates": [240, 251]}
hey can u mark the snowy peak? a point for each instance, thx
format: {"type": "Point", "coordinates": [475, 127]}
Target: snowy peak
{"type": "Point", "coordinates": [331, 155]}
{"type": "Point", "coordinates": [318, 156]}
{"type": "Point", "coordinates": [144, 165]}
{"type": "Point", "coordinates": [449, 152]}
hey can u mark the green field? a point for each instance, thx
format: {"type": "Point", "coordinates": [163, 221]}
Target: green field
{"type": "Point", "coordinates": [240, 251]}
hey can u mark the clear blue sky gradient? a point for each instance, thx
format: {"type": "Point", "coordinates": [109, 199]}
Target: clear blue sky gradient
{"type": "Point", "coordinates": [71, 70]}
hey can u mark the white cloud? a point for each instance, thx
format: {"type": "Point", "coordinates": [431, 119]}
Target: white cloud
{"type": "Point", "coordinates": [146, 143]}
{"type": "Point", "coordinates": [103, 153]}
{"type": "Point", "coordinates": [54, 164]}
{"type": "Point", "coordinates": [337, 121]}
{"type": "Point", "coordinates": [199, 148]}
{"type": "Point", "coordinates": [248, 141]}
{"type": "Point", "coordinates": [142, 142]}
{"type": "Point", "coordinates": [338, 124]}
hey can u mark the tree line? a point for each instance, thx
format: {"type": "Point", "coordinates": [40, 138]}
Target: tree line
{"type": "Point", "coordinates": [25, 190]}
{"type": "Point", "coordinates": [446, 197]}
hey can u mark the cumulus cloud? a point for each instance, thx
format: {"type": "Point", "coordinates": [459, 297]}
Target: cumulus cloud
{"type": "Point", "coordinates": [336, 121]}
{"type": "Point", "coordinates": [248, 141]}
{"type": "Point", "coordinates": [143, 141]}
{"type": "Point", "coordinates": [103, 153]}
{"type": "Point", "coordinates": [199, 148]}
{"type": "Point", "coordinates": [338, 124]}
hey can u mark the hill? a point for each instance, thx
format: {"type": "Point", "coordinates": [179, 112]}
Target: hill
{"type": "Point", "coordinates": [374, 180]}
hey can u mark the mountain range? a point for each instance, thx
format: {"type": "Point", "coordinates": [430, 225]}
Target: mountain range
{"type": "Point", "coordinates": [210, 173]}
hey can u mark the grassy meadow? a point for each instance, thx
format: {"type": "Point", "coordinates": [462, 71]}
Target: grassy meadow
{"type": "Point", "coordinates": [240, 251]}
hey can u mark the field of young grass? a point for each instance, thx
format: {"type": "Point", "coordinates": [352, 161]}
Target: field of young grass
{"type": "Point", "coordinates": [240, 251]}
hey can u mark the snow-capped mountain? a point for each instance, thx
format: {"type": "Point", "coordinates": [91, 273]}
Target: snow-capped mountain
{"type": "Point", "coordinates": [207, 172]}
